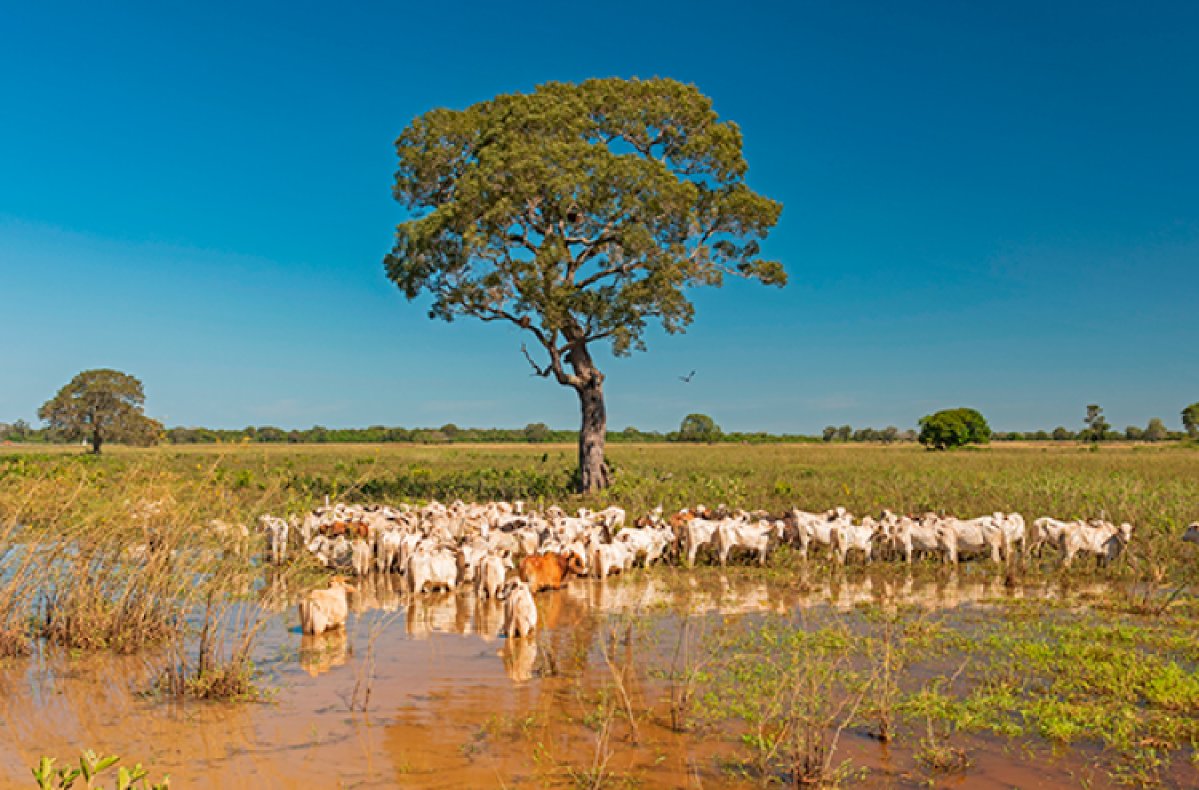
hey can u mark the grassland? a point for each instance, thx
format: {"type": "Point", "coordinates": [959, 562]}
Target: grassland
{"type": "Point", "coordinates": [1152, 485]}
{"type": "Point", "coordinates": [117, 553]}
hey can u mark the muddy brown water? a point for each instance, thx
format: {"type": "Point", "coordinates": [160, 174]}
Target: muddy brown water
{"type": "Point", "coordinates": [452, 705]}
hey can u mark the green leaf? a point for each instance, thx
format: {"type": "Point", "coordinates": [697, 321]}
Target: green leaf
{"type": "Point", "coordinates": [43, 773]}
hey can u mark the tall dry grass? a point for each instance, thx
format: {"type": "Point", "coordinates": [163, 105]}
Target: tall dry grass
{"type": "Point", "coordinates": [130, 553]}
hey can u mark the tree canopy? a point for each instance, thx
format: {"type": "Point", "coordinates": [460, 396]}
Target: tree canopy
{"type": "Point", "coordinates": [1156, 431]}
{"type": "Point", "coordinates": [1097, 425]}
{"type": "Point", "coordinates": [101, 406]}
{"type": "Point", "coordinates": [1190, 420]}
{"type": "Point", "coordinates": [954, 428]}
{"type": "Point", "coordinates": [698, 428]}
{"type": "Point", "coordinates": [580, 214]}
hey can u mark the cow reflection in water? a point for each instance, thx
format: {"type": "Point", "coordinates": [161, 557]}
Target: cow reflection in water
{"type": "Point", "coordinates": [376, 591]}
{"type": "Point", "coordinates": [520, 658]}
{"type": "Point", "coordinates": [489, 618]}
{"type": "Point", "coordinates": [440, 613]}
{"type": "Point", "coordinates": [322, 652]}
{"type": "Point", "coordinates": [618, 595]}
{"type": "Point", "coordinates": [567, 616]}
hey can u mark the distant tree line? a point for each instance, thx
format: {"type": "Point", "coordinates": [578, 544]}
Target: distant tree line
{"type": "Point", "coordinates": [1097, 429]}
{"type": "Point", "coordinates": [106, 405]}
{"type": "Point", "coordinates": [20, 431]}
{"type": "Point", "coordinates": [847, 433]}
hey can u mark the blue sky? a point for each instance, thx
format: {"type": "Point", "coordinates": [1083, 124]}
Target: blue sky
{"type": "Point", "coordinates": [993, 205]}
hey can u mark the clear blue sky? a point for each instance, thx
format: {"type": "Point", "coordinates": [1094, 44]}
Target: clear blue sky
{"type": "Point", "coordinates": [986, 204]}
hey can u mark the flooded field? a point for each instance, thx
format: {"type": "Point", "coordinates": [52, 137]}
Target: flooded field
{"type": "Point", "coordinates": [420, 692]}
{"type": "Point", "coordinates": [1036, 677]}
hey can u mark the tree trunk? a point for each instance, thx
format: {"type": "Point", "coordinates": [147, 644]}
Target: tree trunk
{"type": "Point", "coordinates": [97, 440]}
{"type": "Point", "coordinates": [593, 470]}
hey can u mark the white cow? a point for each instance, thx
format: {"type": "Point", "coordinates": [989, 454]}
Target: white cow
{"type": "Point", "coordinates": [816, 528]}
{"type": "Point", "coordinates": [276, 530]}
{"type": "Point", "coordinates": [860, 537]}
{"type": "Point", "coordinates": [646, 543]}
{"type": "Point", "coordinates": [361, 557]}
{"type": "Point", "coordinates": [610, 558]}
{"type": "Point", "coordinates": [491, 573]}
{"type": "Point", "coordinates": [388, 553]}
{"type": "Point", "coordinates": [520, 610]}
{"type": "Point", "coordinates": [470, 554]}
{"type": "Point", "coordinates": [1012, 527]}
{"type": "Point", "coordinates": [331, 552]}
{"type": "Point", "coordinates": [322, 610]}
{"type": "Point", "coordinates": [430, 567]}
{"type": "Point", "coordinates": [1048, 532]}
{"type": "Point", "coordinates": [973, 536]}
{"type": "Point", "coordinates": [1102, 539]}
{"type": "Point", "coordinates": [908, 535]}
{"type": "Point", "coordinates": [611, 517]}
{"type": "Point", "coordinates": [732, 534]}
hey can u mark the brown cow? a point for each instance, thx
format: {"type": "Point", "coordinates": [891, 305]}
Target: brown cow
{"type": "Point", "coordinates": [353, 529]}
{"type": "Point", "coordinates": [550, 571]}
{"type": "Point", "coordinates": [681, 519]}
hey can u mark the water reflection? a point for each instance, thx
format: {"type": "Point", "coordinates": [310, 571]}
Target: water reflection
{"type": "Point", "coordinates": [461, 612]}
{"type": "Point", "coordinates": [322, 652]}
{"type": "Point", "coordinates": [520, 658]}
{"type": "Point", "coordinates": [489, 618]}
{"type": "Point", "coordinates": [378, 591]}
{"type": "Point", "coordinates": [444, 613]}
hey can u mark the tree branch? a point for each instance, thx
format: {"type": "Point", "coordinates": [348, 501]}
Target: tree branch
{"type": "Point", "coordinates": [623, 269]}
{"type": "Point", "coordinates": [548, 341]}
{"type": "Point", "coordinates": [544, 372]}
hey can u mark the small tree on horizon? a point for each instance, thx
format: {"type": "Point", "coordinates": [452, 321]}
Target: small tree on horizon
{"type": "Point", "coordinates": [1097, 425]}
{"type": "Point", "coordinates": [101, 406]}
{"type": "Point", "coordinates": [699, 428]}
{"type": "Point", "coordinates": [1156, 431]}
{"type": "Point", "coordinates": [953, 428]}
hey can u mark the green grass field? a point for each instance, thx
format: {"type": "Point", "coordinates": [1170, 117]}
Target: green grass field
{"type": "Point", "coordinates": [1151, 486]}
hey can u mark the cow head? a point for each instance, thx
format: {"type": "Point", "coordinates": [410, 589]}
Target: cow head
{"type": "Point", "coordinates": [510, 586]}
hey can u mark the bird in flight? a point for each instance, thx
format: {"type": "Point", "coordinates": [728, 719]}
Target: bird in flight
{"type": "Point", "coordinates": [687, 379]}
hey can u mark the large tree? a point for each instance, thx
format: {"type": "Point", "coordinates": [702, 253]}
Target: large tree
{"type": "Point", "coordinates": [580, 214]}
{"type": "Point", "coordinates": [101, 406]}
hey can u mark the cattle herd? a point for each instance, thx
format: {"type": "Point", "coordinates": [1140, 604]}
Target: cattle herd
{"type": "Point", "coordinates": [508, 554]}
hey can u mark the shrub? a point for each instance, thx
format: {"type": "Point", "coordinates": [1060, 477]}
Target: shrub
{"type": "Point", "coordinates": [954, 428]}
